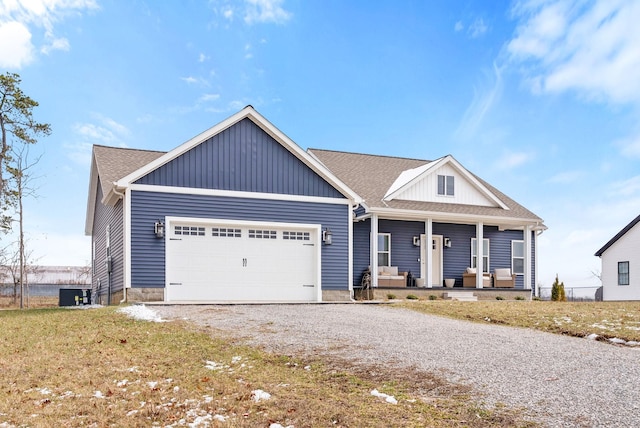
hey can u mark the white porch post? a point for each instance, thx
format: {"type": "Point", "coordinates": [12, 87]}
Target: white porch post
{"type": "Point", "coordinates": [374, 250]}
{"type": "Point", "coordinates": [479, 254]}
{"type": "Point", "coordinates": [527, 257]}
{"type": "Point", "coordinates": [428, 253]}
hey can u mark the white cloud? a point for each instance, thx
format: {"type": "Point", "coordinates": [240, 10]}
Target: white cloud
{"type": "Point", "coordinates": [16, 49]}
{"type": "Point", "coordinates": [107, 132]}
{"type": "Point", "coordinates": [209, 97]}
{"type": "Point", "coordinates": [19, 20]}
{"type": "Point", "coordinates": [587, 47]}
{"type": "Point", "coordinates": [195, 81]}
{"type": "Point", "coordinates": [513, 160]}
{"type": "Point", "coordinates": [630, 146]}
{"type": "Point", "coordinates": [459, 26]}
{"type": "Point", "coordinates": [477, 28]}
{"type": "Point", "coordinates": [567, 177]}
{"type": "Point", "coordinates": [483, 101]}
{"type": "Point", "coordinates": [627, 188]}
{"type": "Point", "coordinates": [265, 11]}
{"type": "Point", "coordinates": [202, 58]}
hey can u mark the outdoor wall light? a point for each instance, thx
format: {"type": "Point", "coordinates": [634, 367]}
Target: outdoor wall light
{"type": "Point", "coordinates": [327, 236]}
{"type": "Point", "coordinates": [158, 228]}
{"type": "Point", "coordinates": [447, 242]}
{"type": "Point", "coordinates": [416, 241]}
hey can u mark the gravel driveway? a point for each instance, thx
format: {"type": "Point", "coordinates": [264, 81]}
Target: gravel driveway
{"type": "Point", "coordinates": [563, 381]}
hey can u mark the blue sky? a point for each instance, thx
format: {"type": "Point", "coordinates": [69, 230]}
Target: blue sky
{"type": "Point", "coordinates": [540, 98]}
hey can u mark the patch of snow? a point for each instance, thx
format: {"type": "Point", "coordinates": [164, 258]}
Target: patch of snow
{"type": "Point", "coordinates": [388, 398]}
{"type": "Point", "coordinates": [633, 343]}
{"type": "Point", "coordinates": [617, 341]}
{"type": "Point", "coordinates": [152, 384]}
{"type": "Point", "coordinates": [259, 395]}
{"type": "Point", "coordinates": [132, 412]}
{"type": "Point", "coordinates": [208, 399]}
{"type": "Point", "coordinates": [98, 394]}
{"type": "Point", "coordinates": [307, 368]}
{"type": "Point", "coordinates": [212, 365]}
{"type": "Point", "coordinates": [277, 425]}
{"type": "Point", "coordinates": [122, 383]}
{"type": "Point", "coordinates": [133, 369]}
{"type": "Point", "coordinates": [44, 391]}
{"type": "Point", "coordinates": [176, 388]}
{"type": "Point", "coordinates": [592, 336]}
{"type": "Point", "coordinates": [141, 312]}
{"type": "Point", "coordinates": [201, 421]}
{"type": "Point", "coordinates": [84, 307]}
{"type": "Point", "coordinates": [220, 418]}
{"type": "Point", "coordinates": [236, 359]}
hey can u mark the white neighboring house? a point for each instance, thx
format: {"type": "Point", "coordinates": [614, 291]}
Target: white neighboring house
{"type": "Point", "coordinates": [621, 264]}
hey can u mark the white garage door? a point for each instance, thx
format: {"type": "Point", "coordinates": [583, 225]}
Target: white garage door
{"type": "Point", "coordinates": [240, 261]}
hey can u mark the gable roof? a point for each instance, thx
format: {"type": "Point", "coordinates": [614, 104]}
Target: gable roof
{"type": "Point", "coordinates": [109, 164]}
{"type": "Point", "coordinates": [115, 168]}
{"type": "Point", "coordinates": [618, 236]}
{"type": "Point", "coordinates": [409, 177]}
{"type": "Point", "coordinates": [373, 176]}
{"type": "Point", "coordinates": [246, 113]}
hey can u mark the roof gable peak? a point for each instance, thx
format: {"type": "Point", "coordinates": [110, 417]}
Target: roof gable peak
{"type": "Point", "coordinates": [419, 184]}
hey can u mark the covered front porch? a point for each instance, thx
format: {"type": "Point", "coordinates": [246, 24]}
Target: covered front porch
{"type": "Point", "coordinates": [429, 253]}
{"type": "Point", "coordinates": [392, 293]}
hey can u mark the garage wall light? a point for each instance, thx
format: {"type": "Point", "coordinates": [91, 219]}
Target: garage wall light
{"type": "Point", "coordinates": [158, 228]}
{"type": "Point", "coordinates": [327, 236]}
{"type": "Point", "coordinates": [447, 242]}
{"type": "Point", "coordinates": [416, 241]}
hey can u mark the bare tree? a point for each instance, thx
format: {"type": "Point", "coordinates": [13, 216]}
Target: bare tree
{"type": "Point", "coordinates": [20, 170]}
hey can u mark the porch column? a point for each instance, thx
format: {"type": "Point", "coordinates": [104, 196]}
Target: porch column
{"type": "Point", "coordinates": [374, 250]}
{"type": "Point", "coordinates": [527, 257]}
{"type": "Point", "coordinates": [479, 254]}
{"type": "Point", "coordinates": [428, 253]}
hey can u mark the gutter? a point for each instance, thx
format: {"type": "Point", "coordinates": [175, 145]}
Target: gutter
{"type": "Point", "coordinates": [124, 289]}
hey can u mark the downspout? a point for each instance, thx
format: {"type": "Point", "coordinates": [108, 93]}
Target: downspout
{"type": "Point", "coordinates": [124, 288]}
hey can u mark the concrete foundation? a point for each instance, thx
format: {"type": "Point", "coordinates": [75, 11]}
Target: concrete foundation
{"type": "Point", "coordinates": [145, 295]}
{"type": "Point", "coordinates": [382, 293]}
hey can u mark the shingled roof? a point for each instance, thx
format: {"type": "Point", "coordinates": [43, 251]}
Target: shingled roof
{"type": "Point", "coordinates": [370, 176]}
{"type": "Point", "coordinates": [113, 163]}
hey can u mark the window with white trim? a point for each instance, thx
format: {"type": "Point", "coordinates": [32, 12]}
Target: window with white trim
{"type": "Point", "coordinates": [296, 236]}
{"type": "Point", "coordinates": [263, 234]}
{"type": "Point", "coordinates": [189, 230]}
{"type": "Point", "coordinates": [517, 257]}
{"type": "Point", "coordinates": [623, 273]}
{"type": "Point", "coordinates": [384, 249]}
{"type": "Point", "coordinates": [445, 185]}
{"type": "Point", "coordinates": [225, 232]}
{"type": "Point", "coordinates": [485, 254]}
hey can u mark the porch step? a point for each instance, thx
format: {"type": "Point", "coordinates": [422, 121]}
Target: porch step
{"type": "Point", "coordinates": [462, 296]}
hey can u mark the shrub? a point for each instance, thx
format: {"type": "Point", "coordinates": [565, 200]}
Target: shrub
{"type": "Point", "coordinates": [391, 296]}
{"type": "Point", "coordinates": [433, 297]}
{"type": "Point", "coordinates": [557, 291]}
{"type": "Point", "coordinates": [519, 298]}
{"type": "Point", "coordinates": [499, 298]}
{"type": "Point", "coordinates": [412, 297]}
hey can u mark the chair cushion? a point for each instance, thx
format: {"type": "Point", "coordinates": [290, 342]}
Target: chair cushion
{"type": "Point", "coordinates": [502, 273]}
{"type": "Point", "coordinates": [391, 270]}
{"type": "Point", "coordinates": [471, 270]}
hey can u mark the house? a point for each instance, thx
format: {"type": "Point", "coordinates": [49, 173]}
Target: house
{"type": "Point", "coordinates": [242, 213]}
{"type": "Point", "coordinates": [620, 261]}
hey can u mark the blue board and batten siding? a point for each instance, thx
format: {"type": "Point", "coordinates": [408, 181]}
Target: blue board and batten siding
{"type": "Point", "coordinates": [455, 258]}
{"type": "Point", "coordinates": [148, 252]}
{"type": "Point", "coordinates": [111, 217]}
{"type": "Point", "coordinates": [242, 158]}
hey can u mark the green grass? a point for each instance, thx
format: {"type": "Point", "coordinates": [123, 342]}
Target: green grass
{"type": "Point", "coordinates": [606, 319]}
{"type": "Point", "coordinates": [98, 367]}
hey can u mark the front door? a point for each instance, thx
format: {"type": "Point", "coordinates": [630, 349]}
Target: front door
{"type": "Point", "coordinates": [436, 259]}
